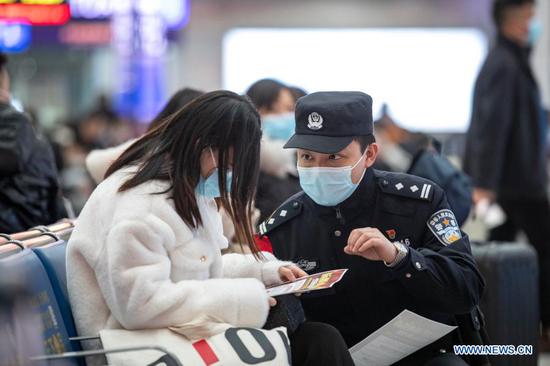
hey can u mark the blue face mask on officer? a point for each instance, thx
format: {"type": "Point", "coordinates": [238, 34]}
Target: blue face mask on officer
{"type": "Point", "coordinates": [329, 186]}
{"type": "Point", "coordinates": [210, 187]}
{"type": "Point", "coordinates": [279, 126]}
{"type": "Point", "coordinates": [330, 123]}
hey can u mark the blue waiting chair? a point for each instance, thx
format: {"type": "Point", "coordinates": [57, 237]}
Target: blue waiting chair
{"type": "Point", "coordinates": [28, 269]}
{"type": "Point", "coordinates": [42, 272]}
{"type": "Point", "coordinates": [52, 257]}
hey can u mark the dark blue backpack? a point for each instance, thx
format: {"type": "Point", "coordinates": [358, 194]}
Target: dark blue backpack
{"type": "Point", "coordinates": [430, 164]}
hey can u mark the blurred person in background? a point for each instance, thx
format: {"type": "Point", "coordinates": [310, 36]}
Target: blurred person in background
{"type": "Point", "coordinates": [77, 184]}
{"type": "Point", "coordinates": [297, 93]}
{"type": "Point", "coordinates": [506, 142]}
{"type": "Point", "coordinates": [98, 161]}
{"type": "Point", "coordinates": [104, 107]}
{"type": "Point", "coordinates": [271, 97]}
{"type": "Point", "coordinates": [398, 146]}
{"type": "Point", "coordinates": [176, 102]}
{"type": "Point", "coordinates": [92, 131]}
{"type": "Point", "coordinates": [29, 187]}
{"type": "Point", "coordinates": [278, 177]}
{"type": "Point", "coordinates": [416, 153]}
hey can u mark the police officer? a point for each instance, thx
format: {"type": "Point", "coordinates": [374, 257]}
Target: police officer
{"type": "Point", "coordinates": [395, 232]}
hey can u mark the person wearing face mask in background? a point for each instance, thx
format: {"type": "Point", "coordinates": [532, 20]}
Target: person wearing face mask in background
{"type": "Point", "coordinates": [297, 92]}
{"type": "Point", "coordinates": [278, 177]}
{"type": "Point", "coordinates": [394, 232]}
{"type": "Point", "coordinates": [506, 151]}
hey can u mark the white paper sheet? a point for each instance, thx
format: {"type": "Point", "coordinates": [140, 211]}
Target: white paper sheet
{"type": "Point", "coordinates": [403, 335]}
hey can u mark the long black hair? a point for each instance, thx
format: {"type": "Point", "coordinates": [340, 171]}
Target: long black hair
{"type": "Point", "coordinates": [220, 120]}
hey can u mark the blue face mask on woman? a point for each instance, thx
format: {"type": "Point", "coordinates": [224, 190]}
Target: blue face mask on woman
{"type": "Point", "coordinates": [279, 126]}
{"type": "Point", "coordinates": [210, 187]}
{"type": "Point", "coordinates": [328, 186]}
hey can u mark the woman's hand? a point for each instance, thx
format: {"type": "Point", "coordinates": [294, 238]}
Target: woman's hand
{"type": "Point", "coordinates": [291, 273]}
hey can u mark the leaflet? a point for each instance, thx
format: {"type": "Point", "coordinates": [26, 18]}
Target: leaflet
{"type": "Point", "coordinates": [318, 281]}
{"type": "Point", "coordinates": [403, 335]}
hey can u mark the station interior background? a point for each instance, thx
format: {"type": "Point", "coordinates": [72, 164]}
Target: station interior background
{"type": "Point", "coordinates": [64, 74]}
{"type": "Point", "coordinates": [61, 78]}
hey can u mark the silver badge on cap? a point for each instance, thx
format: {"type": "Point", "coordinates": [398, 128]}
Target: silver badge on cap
{"type": "Point", "coordinates": [315, 121]}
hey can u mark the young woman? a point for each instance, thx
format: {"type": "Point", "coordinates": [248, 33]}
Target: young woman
{"type": "Point", "coordinates": [145, 252]}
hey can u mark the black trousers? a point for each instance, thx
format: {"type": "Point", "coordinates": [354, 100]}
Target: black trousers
{"type": "Point", "coordinates": [314, 344]}
{"type": "Point", "coordinates": [447, 359]}
{"type": "Point", "coordinates": [321, 344]}
{"type": "Point", "coordinates": [533, 218]}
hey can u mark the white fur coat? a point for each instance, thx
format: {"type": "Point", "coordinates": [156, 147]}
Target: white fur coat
{"type": "Point", "coordinates": [132, 263]}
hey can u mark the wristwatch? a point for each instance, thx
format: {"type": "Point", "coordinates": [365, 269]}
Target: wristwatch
{"type": "Point", "coordinates": [402, 252]}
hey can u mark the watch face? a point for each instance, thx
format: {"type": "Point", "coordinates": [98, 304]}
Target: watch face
{"type": "Point", "coordinates": [400, 247]}
{"type": "Point", "coordinates": [402, 252]}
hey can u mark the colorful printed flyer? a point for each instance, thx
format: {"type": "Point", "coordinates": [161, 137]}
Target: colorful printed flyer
{"type": "Point", "coordinates": [318, 281]}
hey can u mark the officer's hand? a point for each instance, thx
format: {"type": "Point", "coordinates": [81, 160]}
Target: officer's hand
{"type": "Point", "coordinates": [272, 302]}
{"type": "Point", "coordinates": [291, 273]}
{"type": "Point", "coordinates": [371, 244]}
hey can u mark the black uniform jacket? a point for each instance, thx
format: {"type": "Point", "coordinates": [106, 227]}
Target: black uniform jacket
{"type": "Point", "coordinates": [437, 279]}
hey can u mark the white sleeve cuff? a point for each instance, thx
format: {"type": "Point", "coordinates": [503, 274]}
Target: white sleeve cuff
{"type": "Point", "coordinates": [253, 303]}
{"type": "Point", "coordinates": [270, 272]}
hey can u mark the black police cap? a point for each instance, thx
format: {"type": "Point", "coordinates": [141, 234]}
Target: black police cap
{"type": "Point", "coordinates": [327, 122]}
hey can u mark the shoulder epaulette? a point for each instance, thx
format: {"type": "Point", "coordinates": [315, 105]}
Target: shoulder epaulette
{"type": "Point", "coordinates": [406, 185]}
{"type": "Point", "coordinates": [286, 212]}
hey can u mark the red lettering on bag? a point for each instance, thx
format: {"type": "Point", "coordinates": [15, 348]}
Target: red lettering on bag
{"type": "Point", "coordinates": [206, 352]}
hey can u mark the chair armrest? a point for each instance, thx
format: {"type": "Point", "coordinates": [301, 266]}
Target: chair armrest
{"type": "Point", "coordinates": [84, 338]}
{"type": "Point", "coordinates": [169, 359]}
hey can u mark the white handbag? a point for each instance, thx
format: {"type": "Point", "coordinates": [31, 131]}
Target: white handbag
{"type": "Point", "coordinates": [234, 346]}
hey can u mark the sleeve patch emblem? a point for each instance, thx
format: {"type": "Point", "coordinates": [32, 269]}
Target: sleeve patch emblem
{"type": "Point", "coordinates": [444, 226]}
